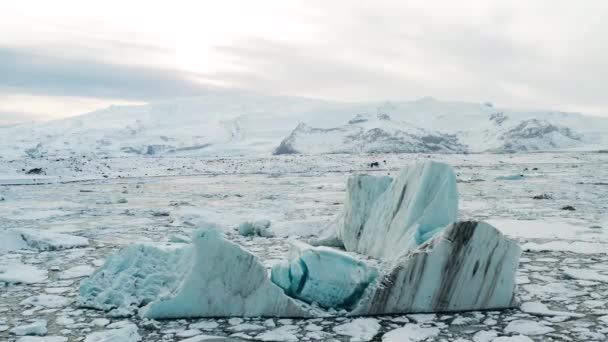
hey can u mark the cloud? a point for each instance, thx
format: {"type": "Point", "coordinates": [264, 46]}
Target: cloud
{"type": "Point", "coordinates": [40, 74]}
{"type": "Point", "coordinates": [508, 54]}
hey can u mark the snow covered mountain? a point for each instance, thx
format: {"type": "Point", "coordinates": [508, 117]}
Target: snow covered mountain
{"type": "Point", "coordinates": [366, 134]}
{"type": "Point", "coordinates": [225, 123]}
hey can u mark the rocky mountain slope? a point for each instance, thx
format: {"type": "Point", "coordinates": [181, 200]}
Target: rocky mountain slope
{"type": "Point", "coordinates": [232, 123]}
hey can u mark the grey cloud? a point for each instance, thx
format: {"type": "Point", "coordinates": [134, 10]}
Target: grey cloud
{"type": "Point", "coordinates": [39, 74]}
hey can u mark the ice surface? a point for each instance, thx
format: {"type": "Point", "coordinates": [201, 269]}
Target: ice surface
{"type": "Point", "coordinates": [37, 327]}
{"type": "Point", "coordinates": [516, 338]}
{"type": "Point", "coordinates": [77, 272]}
{"type": "Point", "coordinates": [385, 220]}
{"type": "Point", "coordinates": [260, 228]}
{"type": "Point", "coordinates": [16, 272]}
{"type": "Point", "coordinates": [41, 240]}
{"type": "Point", "coordinates": [211, 277]}
{"type": "Point", "coordinates": [42, 339]}
{"type": "Point", "coordinates": [324, 276]}
{"type": "Point", "coordinates": [359, 330]}
{"type": "Point", "coordinates": [410, 333]}
{"type": "Point", "coordinates": [47, 301]}
{"type": "Point", "coordinates": [540, 309]}
{"type": "Point", "coordinates": [527, 327]}
{"type": "Point", "coordinates": [455, 271]}
{"type": "Point", "coordinates": [134, 276]}
{"type": "Point", "coordinates": [126, 333]}
{"type": "Point", "coordinates": [397, 220]}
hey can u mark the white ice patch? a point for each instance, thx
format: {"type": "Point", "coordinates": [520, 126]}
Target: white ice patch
{"type": "Point", "coordinates": [580, 247]}
{"type": "Point", "coordinates": [126, 333]}
{"type": "Point", "coordinates": [527, 327]}
{"type": "Point", "coordinates": [41, 240]}
{"type": "Point", "coordinates": [585, 274]}
{"type": "Point", "coordinates": [42, 339]}
{"type": "Point", "coordinates": [47, 301]}
{"type": "Point", "coordinates": [410, 333]}
{"type": "Point", "coordinates": [77, 272]}
{"type": "Point", "coordinates": [37, 327]}
{"type": "Point", "coordinates": [360, 329]}
{"type": "Point", "coordinates": [286, 333]}
{"type": "Point", "coordinates": [16, 272]}
{"type": "Point", "coordinates": [540, 309]}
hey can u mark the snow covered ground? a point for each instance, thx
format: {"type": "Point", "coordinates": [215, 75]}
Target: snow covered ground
{"type": "Point", "coordinates": [230, 123]}
{"type": "Point", "coordinates": [112, 202]}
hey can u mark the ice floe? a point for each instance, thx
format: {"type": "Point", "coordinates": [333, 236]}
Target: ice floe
{"type": "Point", "coordinates": [429, 262]}
{"type": "Point", "coordinates": [410, 333]}
{"type": "Point", "coordinates": [41, 240]}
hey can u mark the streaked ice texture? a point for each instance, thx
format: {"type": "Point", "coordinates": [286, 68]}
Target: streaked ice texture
{"type": "Point", "coordinates": [385, 219]}
{"type": "Point", "coordinates": [429, 261]}
{"type": "Point", "coordinates": [323, 275]}
{"type": "Point", "coordinates": [469, 266]}
{"type": "Point", "coordinates": [211, 277]}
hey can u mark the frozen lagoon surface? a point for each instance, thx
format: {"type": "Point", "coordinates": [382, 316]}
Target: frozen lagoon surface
{"type": "Point", "coordinates": [562, 273]}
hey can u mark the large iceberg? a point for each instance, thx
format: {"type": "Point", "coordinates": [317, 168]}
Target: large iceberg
{"type": "Point", "coordinates": [386, 217]}
{"type": "Point", "coordinates": [212, 277]}
{"type": "Point", "coordinates": [405, 252]}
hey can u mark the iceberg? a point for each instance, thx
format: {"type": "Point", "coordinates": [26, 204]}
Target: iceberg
{"type": "Point", "coordinates": [384, 217]}
{"type": "Point", "coordinates": [405, 252]}
{"type": "Point", "coordinates": [469, 266]}
{"type": "Point", "coordinates": [322, 275]}
{"type": "Point", "coordinates": [212, 277]}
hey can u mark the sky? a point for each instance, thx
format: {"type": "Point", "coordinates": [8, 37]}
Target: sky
{"type": "Point", "coordinates": [60, 58]}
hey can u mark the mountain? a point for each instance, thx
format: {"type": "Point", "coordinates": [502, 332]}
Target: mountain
{"type": "Point", "coordinates": [366, 134]}
{"type": "Point", "coordinates": [227, 123]}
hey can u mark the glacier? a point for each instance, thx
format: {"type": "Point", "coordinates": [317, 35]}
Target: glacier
{"type": "Point", "coordinates": [404, 252]}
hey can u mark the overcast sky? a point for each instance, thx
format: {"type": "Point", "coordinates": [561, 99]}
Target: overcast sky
{"type": "Point", "coordinates": [60, 58]}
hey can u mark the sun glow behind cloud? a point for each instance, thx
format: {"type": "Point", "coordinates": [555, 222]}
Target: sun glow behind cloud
{"type": "Point", "coordinates": [549, 54]}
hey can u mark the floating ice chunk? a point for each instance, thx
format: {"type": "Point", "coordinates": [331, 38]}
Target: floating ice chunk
{"type": "Point", "coordinates": [485, 336]}
{"type": "Point", "coordinates": [323, 275]}
{"type": "Point", "coordinates": [385, 219]}
{"type": "Point", "coordinates": [77, 272]}
{"type": "Point", "coordinates": [527, 327]}
{"type": "Point", "coordinates": [287, 333]}
{"type": "Point", "coordinates": [37, 327]}
{"type": "Point", "coordinates": [127, 333]}
{"type": "Point", "coordinates": [212, 277]}
{"type": "Point", "coordinates": [585, 274]}
{"type": "Point", "coordinates": [517, 338]}
{"type": "Point", "coordinates": [455, 271]}
{"type": "Point", "coordinates": [581, 247]}
{"type": "Point", "coordinates": [47, 301]}
{"type": "Point", "coordinates": [540, 309]}
{"type": "Point", "coordinates": [42, 339]}
{"type": "Point", "coordinates": [39, 239]}
{"type": "Point", "coordinates": [260, 228]}
{"type": "Point", "coordinates": [359, 330]}
{"type": "Point", "coordinates": [16, 272]}
{"type": "Point", "coordinates": [410, 332]}
{"type": "Point", "coordinates": [199, 338]}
